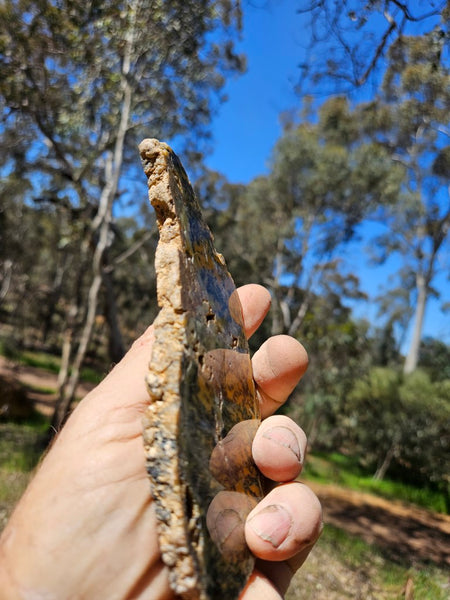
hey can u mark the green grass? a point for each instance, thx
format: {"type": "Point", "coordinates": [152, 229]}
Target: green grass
{"type": "Point", "coordinates": [345, 471]}
{"type": "Point", "coordinates": [40, 389]}
{"type": "Point", "coordinates": [90, 375]}
{"type": "Point", "coordinates": [47, 362]}
{"type": "Point", "coordinates": [342, 566]}
{"type": "Point", "coordinates": [19, 443]}
{"type": "Point", "coordinates": [20, 452]}
{"type": "Point", "coordinates": [40, 360]}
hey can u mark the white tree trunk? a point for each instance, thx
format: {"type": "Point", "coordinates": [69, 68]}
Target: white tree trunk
{"type": "Point", "coordinates": [412, 357]}
{"type": "Point", "coordinates": [100, 225]}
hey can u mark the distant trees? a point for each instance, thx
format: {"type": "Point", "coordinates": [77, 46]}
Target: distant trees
{"type": "Point", "coordinates": [80, 84]}
{"type": "Point", "coordinates": [404, 46]}
{"type": "Point", "coordinates": [287, 228]}
{"type": "Point", "coordinates": [410, 118]}
{"type": "Point", "coordinates": [397, 423]}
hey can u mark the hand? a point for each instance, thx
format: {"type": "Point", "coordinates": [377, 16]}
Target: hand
{"type": "Point", "coordinates": [86, 527]}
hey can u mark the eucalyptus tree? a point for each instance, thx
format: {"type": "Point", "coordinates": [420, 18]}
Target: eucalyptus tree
{"type": "Point", "coordinates": [399, 53]}
{"type": "Point", "coordinates": [324, 183]}
{"type": "Point", "coordinates": [410, 119]}
{"type": "Point", "coordinates": [80, 84]}
{"type": "Point", "coordinates": [286, 229]}
{"type": "Point", "coordinates": [348, 40]}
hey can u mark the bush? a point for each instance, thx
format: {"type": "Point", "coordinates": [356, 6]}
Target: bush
{"type": "Point", "coordinates": [399, 425]}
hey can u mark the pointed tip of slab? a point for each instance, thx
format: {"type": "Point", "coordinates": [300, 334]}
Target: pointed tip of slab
{"type": "Point", "coordinates": [152, 146]}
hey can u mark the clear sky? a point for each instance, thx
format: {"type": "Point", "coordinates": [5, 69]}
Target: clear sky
{"type": "Point", "coordinates": [247, 125]}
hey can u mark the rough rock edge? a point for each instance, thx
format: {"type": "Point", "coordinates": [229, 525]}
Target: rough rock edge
{"type": "Point", "coordinates": [165, 174]}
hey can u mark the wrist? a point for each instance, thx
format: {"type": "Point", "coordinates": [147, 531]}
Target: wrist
{"type": "Point", "coordinates": [10, 591]}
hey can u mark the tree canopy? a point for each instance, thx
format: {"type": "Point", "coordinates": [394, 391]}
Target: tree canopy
{"type": "Point", "coordinates": [355, 37]}
{"type": "Point", "coordinates": [80, 85]}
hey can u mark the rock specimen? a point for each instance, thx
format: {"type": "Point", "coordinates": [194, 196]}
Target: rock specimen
{"type": "Point", "coordinates": [203, 411]}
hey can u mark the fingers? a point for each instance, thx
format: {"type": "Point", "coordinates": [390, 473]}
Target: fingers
{"type": "Point", "coordinates": [255, 301]}
{"type": "Point", "coordinates": [279, 574]}
{"type": "Point", "coordinates": [280, 362]}
{"type": "Point", "coordinates": [259, 587]}
{"type": "Point", "coordinates": [286, 522]}
{"type": "Point", "coordinates": [225, 520]}
{"type": "Point", "coordinates": [277, 368]}
{"type": "Point", "coordinates": [279, 448]}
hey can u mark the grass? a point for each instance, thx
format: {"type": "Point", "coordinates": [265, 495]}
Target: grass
{"type": "Point", "coordinates": [40, 360]}
{"type": "Point", "coordinates": [19, 443]}
{"type": "Point", "coordinates": [345, 471]}
{"type": "Point", "coordinates": [46, 362]}
{"type": "Point", "coordinates": [19, 455]}
{"type": "Point", "coordinates": [51, 363]}
{"type": "Point", "coordinates": [342, 566]}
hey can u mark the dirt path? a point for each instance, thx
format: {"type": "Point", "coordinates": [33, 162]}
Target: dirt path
{"type": "Point", "coordinates": [401, 530]}
{"type": "Point", "coordinates": [38, 379]}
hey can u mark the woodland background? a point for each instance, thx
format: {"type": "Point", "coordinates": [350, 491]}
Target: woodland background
{"type": "Point", "coordinates": [81, 83]}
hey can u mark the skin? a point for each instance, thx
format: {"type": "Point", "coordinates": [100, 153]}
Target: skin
{"type": "Point", "coordinates": [86, 528]}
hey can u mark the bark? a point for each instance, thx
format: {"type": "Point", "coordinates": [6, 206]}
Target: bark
{"type": "Point", "coordinates": [279, 310]}
{"type": "Point", "coordinates": [380, 473]}
{"type": "Point", "coordinates": [6, 280]}
{"type": "Point", "coordinates": [301, 313]}
{"type": "Point", "coordinates": [116, 345]}
{"type": "Point", "coordinates": [413, 351]}
{"type": "Point", "coordinates": [53, 298]}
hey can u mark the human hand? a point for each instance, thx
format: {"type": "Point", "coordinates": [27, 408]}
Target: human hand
{"type": "Point", "coordinates": [86, 527]}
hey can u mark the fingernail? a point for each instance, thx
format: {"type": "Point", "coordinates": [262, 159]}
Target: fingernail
{"type": "Point", "coordinates": [226, 522]}
{"type": "Point", "coordinates": [272, 524]}
{"type": "Point", "coordinates": [283, 436]}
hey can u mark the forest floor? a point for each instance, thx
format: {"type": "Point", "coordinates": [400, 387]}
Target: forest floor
{"type": "Point", "coordinates": [41, 385]}
{"type": "Point", "coordinates": [390, 550]}
{"type": "Point", "coordinates": [406, 537]}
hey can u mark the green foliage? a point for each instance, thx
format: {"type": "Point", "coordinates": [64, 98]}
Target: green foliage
{"type": "Point", "coordinates": [347, 471]}
{"type": "Point", "coordinates": [80, 85]}
{"type": "Point", "coordinates": [416, 93]}
{"type": "Point", "coordinates": [398, 424]}
{"type": "Point", "coordinates": [434, 358]}
{"type": "Point", "coordinates": [9, 347]}
{"type": "Point", "coordinates": [353, 38]}
{"type": "Point", "coordinates": [405, 124]}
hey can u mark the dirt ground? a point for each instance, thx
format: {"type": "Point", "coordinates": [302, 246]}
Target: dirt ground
{"type": "Point", "coordinates": [37, 379]}
{"type": "Point", "coordinates": [400, 530]}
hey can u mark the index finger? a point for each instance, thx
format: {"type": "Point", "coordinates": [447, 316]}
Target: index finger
{"type": "Point", "coordinates": [255, 301]}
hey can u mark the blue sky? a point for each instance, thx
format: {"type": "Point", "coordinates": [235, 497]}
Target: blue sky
{"type": "Point", "coordinates": [247, 126]}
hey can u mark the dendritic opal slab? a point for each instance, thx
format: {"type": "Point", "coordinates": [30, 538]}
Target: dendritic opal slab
{"type": "Point", "coordinates": [203, 411]}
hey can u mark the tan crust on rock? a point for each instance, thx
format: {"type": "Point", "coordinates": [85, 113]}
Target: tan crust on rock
{"type": "Point", "coordinates": [201, 386]}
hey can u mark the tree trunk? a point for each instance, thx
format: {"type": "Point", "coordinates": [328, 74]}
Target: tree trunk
{"type": "Point", "coordinates": [6, 279]}
{"type": "Point", "coordinates": [67, 392]}
{"type": "Point", "coordinates": [380, 473]}
{"type": "Point", "coordinates": [115, 345]}
{"type": "Point", "coordinates": [101, 231]}
{"type": "Point", "coordinates": [53, 298]}
{"type": "Point", "coordinates": [413, 351]}
{"type": "Point", "coordinates": [299, 317]}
